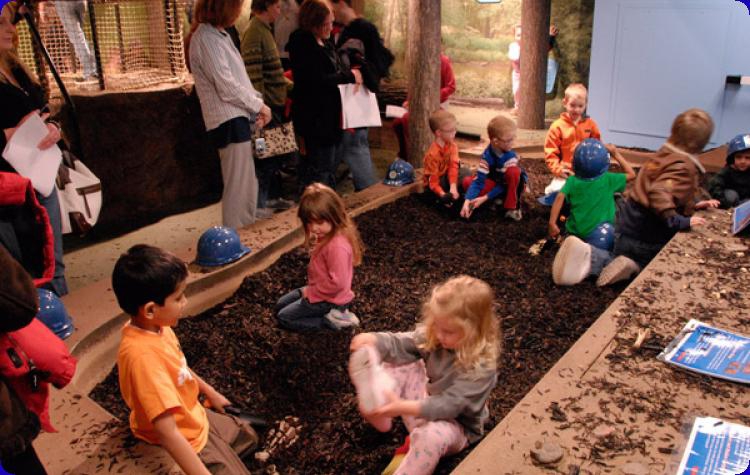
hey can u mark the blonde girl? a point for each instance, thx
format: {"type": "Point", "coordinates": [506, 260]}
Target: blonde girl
{"type": "Point", "coordinates": [335, 248]}
{"type": "Point", "coordinates": [442, 372]}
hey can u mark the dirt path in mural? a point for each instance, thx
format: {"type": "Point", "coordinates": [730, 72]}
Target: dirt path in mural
{"type": "Point", "coordinates": [411, 245]}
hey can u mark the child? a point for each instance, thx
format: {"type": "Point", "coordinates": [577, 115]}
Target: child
{"type": "Point", "coordinates": [155, 381]}
{"type": "Point", "coordinates": [441, 160]}
{"type": "Point", "coordinates": [660, 204]}
{"type": "Point", "coordinates": [336, 249]}
{"type": "Point", "coordinates": [499, 172]}
{"type": "Point", "coordinates": [443, 371]}
{"type": "Point", "coordinates": [731, 186]}
{"type": "Point", "coordinates": [590, 192]}
{"type": "Point", "coordinates": [566, 133]}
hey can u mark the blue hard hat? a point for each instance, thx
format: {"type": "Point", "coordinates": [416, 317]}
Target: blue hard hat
{"type": "Point", "coordinates": [590, 159]}
{"type": "Point", "coordinates": [219, 245]}
{"type": "Point", "coordinates": [400, 173]}
{"type": "Point", "coordinates": [738, 144]}
{"type": "Point", "coordinates": [548, 199]}
{"type": "Point", "coordinates": [603, 236]}
{"type": "Point", "coordinates": [53, 314]}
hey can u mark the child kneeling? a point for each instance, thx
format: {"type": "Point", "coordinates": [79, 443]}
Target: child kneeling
{"type": "Point", "coordinates": [441, 374]}
{"type": "Point", "coordinates": [155, 380]}
{"type": "Point", "coordinates": [336, 249]}
{"type": "Point", "coordinates": [499, 173]}
{"type": "Point", "coordinates": [441, 165]}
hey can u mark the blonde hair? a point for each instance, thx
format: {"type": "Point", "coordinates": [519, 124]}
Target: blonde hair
{"type": "Point", "coordinates": [691, 130]}
{"type": "Point", "coordinates": [439, 118]}
{"type": "Point", "coordinates": [499, 125]}
{"type": "Point", "coordinates": [469, 302]}
{"type": "Point", "coordinates": [321, 203]}
{"type": "Point", "coordinates": [9, 59]}
{"type": "Point", "coordinates": [576, 90]}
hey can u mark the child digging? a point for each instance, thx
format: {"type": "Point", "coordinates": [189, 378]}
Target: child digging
{"type": "Point", "coordinates": [441, 166]}
{"type": "Point", "coordinates": [499, 174]}
{"type": "Point", "coordinates": [731, 186]}
{"type": "Point", "coordinates": [336, 249]}
{"type": "Point", "coordinates": [155, 380]}
{"type": "Point", "coordinates": [441, 374]}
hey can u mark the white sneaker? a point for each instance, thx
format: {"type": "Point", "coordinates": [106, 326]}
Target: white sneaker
{"type": "Point", "coordinates": [514, 214]}
{"type": "Point", "coordinates": [338, 319]}
{"type": "Point", "coordinates": [572, 262]}
{"type": "Point", "coordinates": [263, 213]}
{"type": "Point", "coordinates": [620, 268]}
{"type": "Point", "coordinates": [370, 378]}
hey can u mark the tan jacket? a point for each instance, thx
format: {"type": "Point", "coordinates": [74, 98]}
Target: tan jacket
{"type": "Point", "coordinates": [668, 183]}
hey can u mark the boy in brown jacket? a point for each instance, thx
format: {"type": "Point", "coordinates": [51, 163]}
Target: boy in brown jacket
{"type": "Point", "coordinates": [660, 204]}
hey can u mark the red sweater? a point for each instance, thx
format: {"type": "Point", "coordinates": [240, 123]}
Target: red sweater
{"type": "Point", "coordinates": [330, 272]}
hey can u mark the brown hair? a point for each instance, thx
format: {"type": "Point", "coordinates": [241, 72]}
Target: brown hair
{"type": "Point", "coordinates": [313, 14]}
{"type": "Point", "coordinates": [691, 130]}
{"type": "Point", "coordinates": [321, 203]}
{"type": "Point", "coordinates": [576, 90]}
{"type": "Point", "coordinates": [439, 118]}
{"type": "Point", "coordinates": [469, 301]}
{"type": "Point", "coordinates": [500, 124]}
{"type": "Point", "coordinates": [219, 13]}
{"type": "Point", "coordinates": [262, 5]}
{"type": "Point", "coordinates": [9, 59]}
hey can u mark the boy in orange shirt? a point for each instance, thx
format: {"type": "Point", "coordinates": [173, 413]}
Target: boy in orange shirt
{"type": "Point", "coordinates": [155, 381]}
{"type": "Point", "coordinates": [441, 160]}
{"type": "Point", "coordinates": [566, 133]}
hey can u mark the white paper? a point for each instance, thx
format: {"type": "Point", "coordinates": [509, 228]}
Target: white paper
{"type": "Point", "coordinates": [359, 109]}
{"type": "Point", "coordinates": [39, 166]}
{"type": "Point", "coordinates": [394, 112]}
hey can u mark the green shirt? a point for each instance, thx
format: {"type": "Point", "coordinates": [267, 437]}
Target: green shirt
{"type": "Point", "coordinates": [592, 202]}
{"type": "Point", "coordinates": [262, 63]}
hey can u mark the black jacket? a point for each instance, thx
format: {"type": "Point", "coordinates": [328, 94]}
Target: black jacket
{"type": "Point", "coordinates": [377, 58]}
{"type": "Point", "coordinates": [730, 179]}
{"type": "Point", "coordinates": [16, 103]}
{"type": "Point", "coordinates": [316, 103]}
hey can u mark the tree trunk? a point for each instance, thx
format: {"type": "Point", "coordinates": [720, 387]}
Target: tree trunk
{"type": "Point", "coordinates": [424, 74]}
{"type": "Point", "coordinates": [359, 6]}
{"type": "Point", "coordinates": [390, 20]}
{"type": "Point", "coordinates": [535, 18]}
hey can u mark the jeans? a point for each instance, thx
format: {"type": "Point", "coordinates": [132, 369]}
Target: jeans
{"type": "Point", "coordinates": [354, 150]}
{"type": "Point", "coordinates": [640, 251]}
{"type": "Point", "coordinates": [269, 180]}
{"type": "Point", "coordinates": [71, 16]}
{"type": "Point", "coordinates": [599, 260]}
{"type": "Point", "coordinates": [52, 204]}
{"type": "Point", "coordinates": [295, 312]}
{"type": "Point", "coordinates": [319, 165]}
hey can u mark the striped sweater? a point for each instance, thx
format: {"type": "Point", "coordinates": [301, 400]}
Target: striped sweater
{"type": "Point", "coordinates": [262, 63]}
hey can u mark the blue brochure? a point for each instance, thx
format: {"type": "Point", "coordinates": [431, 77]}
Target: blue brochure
{"type": "Point", "coordinates": [708, 350]}
{"type": "Point", "coordinates": [740, 217]}
{"type": "Point", "coordinates": [716, 447]}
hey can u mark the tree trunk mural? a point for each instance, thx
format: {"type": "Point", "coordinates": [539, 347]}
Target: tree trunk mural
{"type": "Point", "coordinates": [535, 19]}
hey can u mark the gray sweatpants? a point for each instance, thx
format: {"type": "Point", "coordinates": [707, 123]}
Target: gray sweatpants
{"type": "Point", "coordinates": [240, 197]}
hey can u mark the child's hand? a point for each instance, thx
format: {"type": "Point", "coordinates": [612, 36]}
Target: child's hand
{"type": "Point", "coordinates": [611, 148]}
{"type": "Point", "coordinates": [696, 221]}
{"type": "Point", "coordinates": [553, 230]}
{"type": "Point", "coordinates": [217, 401]}
{"type": "Point", "coordinates": [466, 209]}
{"type": "Point", "coordinates": [397, 407]}
{"type": "Point", "coordinates": [566, 171]}
{"type": "Point", "coordinates": [361, 340]}
{"type": "Point", "coordinates": [454, 192]}
{"type": "Point", "coordinates": [707, 204]}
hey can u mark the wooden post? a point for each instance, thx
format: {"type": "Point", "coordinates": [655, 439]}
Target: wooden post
{"type": "Point", "coordinates": [424, 74]}
{"type": "Point", "coordinates": [535, 18]}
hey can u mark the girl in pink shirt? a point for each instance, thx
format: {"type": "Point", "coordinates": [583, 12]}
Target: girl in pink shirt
{"type": "Point", "coordinates": [336, 249]}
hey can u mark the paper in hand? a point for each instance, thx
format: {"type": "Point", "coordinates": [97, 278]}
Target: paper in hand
{"type": "Point", "coordinates": [360, 108]}
{"type": "Point", "coordinates": [39, 166]}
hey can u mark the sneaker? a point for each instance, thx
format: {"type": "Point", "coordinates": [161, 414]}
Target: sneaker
{"type": "Point", "coordinates": [279, 204]}
{"type": "Point", "coordinates": [620, 268]}
{"type": "Point", "coordinates": [337, 319]}
{"type": "Point", "coordinates": [263, 213]}
{"type": "Point", "coordinates": [369, 378]}
{"type": "Point", "coordinates": [514, 214]}
{"type": "Point", "coordinates": [572, 262]}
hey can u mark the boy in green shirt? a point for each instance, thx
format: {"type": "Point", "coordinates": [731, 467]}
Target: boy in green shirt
{"type": "Point", "coordinates": [590, 192]}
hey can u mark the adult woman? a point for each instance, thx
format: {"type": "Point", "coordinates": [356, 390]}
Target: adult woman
{"type": "Point", "coordinates": [229, 103]}
{"type": "Point", "coordinates": [263, 67]}
{"type": "Point", "coordinates": [316, 108]}
{"type": "Point", "coordinates": [21, 96]}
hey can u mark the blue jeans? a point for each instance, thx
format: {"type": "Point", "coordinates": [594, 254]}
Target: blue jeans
{"type": "Point", "coordinates": [296, 313]}
{"type": "Point", "coordinates": [52, 204]}
{"type": "Point", "coordinates": [639, 251]}
{"type": "Point", "coordinates": [319, 165]}
{"type": "Point", "coordinates": [354, 150]}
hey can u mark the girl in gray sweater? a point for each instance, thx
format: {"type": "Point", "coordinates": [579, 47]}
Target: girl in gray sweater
{"type": "Point", "coordinates": [437, 377]}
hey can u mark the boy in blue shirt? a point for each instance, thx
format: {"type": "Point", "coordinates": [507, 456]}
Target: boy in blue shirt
{"type": "Point", "coordinates": [499, 173]}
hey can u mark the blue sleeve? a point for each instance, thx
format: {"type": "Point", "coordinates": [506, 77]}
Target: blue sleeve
{"type": "Point", "coordinates": [678, 222]}
{"type": "Point", "coordinates": [476, 185]}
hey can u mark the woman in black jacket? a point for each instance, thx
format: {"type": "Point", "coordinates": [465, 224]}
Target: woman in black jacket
{"type": "Point", "coordinates": [316, 104]}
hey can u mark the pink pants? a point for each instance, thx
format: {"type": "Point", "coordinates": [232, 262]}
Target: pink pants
{"type": "Point", "coordinates": [430, 440]}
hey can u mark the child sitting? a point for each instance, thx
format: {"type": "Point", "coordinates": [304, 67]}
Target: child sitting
{"type": "Point", "coordinates": [155, 380]}
{"type": "Point", "coordinates": [442, 373]}
{"type": "Point", "coordinates": [660, 204]}
{"type": "Point", "coordinates": [499, 171]}
{"type": "Point", "coordinates": [590, 192]}
{"type": "Point", "coordinates": [441, 160]}
{"type": "Point", "coordinates": [336, 249]}
{"type": "Point", "coordinates": [731, 186]}
{"type": "Point", "coordinates": [566, 133]}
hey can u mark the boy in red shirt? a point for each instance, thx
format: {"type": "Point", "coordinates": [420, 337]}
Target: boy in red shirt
{"type": "Point", "coordinates": [441, 160]}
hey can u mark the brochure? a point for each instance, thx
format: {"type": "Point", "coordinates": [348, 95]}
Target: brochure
{"type": "Point", "coordinates": [716, 447]}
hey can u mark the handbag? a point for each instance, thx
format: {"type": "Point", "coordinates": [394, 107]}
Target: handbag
{"type": "Point", "coordinates": [279, 140]}
{"type": "Point", "coordinates": [80, 194]}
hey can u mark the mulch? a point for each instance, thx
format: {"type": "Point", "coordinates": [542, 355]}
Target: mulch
{"type": "Point", "coordinates": [410, 246]}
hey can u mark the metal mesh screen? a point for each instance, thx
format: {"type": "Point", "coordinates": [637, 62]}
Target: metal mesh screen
{"type": "Point", "coordinates": [109, 44]}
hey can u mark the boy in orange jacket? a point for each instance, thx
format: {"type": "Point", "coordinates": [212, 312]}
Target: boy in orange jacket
{"type": "Point", "coordinates": [441, 165]}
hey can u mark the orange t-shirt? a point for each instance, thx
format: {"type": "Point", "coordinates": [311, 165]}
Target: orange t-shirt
{"type": "Point", "coordinates": [562, 139]}
{"type": "Point", "coordinates": [154, 379]}
{"type": "Point", "coordinates": [439, 161]}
